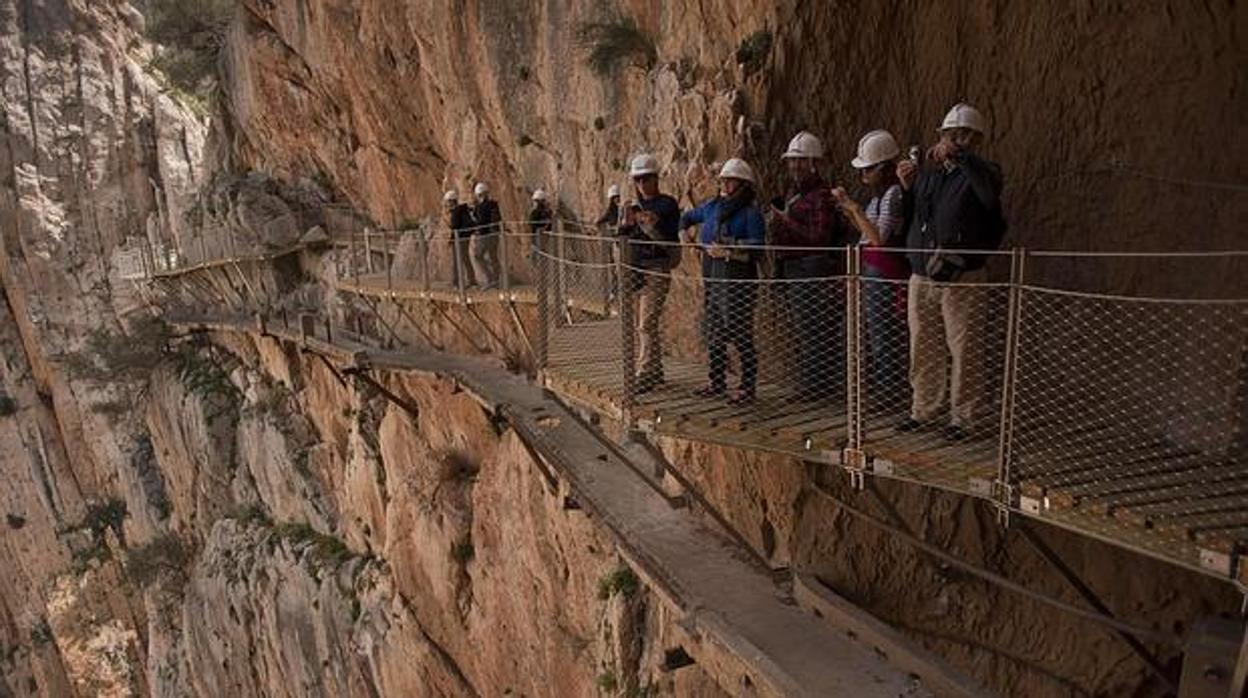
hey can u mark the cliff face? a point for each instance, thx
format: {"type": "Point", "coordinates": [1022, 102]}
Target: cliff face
{"type": "Point", "coordinates": [395, 102]}
{"type": "Point", "coordinates": [226, 518]}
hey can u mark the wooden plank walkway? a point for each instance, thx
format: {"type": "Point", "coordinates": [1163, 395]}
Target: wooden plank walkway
{"type": "Point", "coordinates": [1098, 479]}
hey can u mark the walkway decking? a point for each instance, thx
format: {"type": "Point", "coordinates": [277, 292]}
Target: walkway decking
{"type": "Point", "coordinates": [730, 605]}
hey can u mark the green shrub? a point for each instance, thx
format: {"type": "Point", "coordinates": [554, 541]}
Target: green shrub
{"type": "Point", "coordinates": [191, 34]}
{"type": "Point", "coordinates": [463, 551]}
{"type": "Point", "coordinates": [41, 633]}
{"type": "Point", "coordinates": [621, 581]}
{"type": "Point", "coordinates": [101, 516]}
{"type": "Point", "coordinates": [164, 554]}
{"type": "Point", "coordinates": [117, 357]}
{"type": "Point", "coordinates": [323, 551]}
{"type": "Point", "coordinates": [599, 123]}
{"type": "Point", "coordinates": [753, 51]}
{"type": "Point", "coordinates": [8, 406]}
{"type": "Point", "coordinates": [607, 683]}
{"type": "Point", "coordinates": [612, 42]}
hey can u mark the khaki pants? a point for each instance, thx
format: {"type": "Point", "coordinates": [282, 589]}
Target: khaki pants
{"type": "Point", "coordinates": [650, 302]}
{"type": "Point", "coordinates": [945, 324]}
{"type": "Point", "coordinates": [485, 259]}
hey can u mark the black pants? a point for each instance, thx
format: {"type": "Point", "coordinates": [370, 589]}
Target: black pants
{"type": "Point", "coordinates": [817, 313]}
{"type": "Point", "coordinates": [729, 319]}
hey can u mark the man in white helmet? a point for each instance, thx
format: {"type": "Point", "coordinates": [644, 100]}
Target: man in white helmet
{"type": "Point", "coordinates": [458, 220]}
{"type": "Point", "coordinates": [805, 227]}
{"type": "Point", "coordinates": [487, 228]}
{"type": "Point", "coordinates": [650, 224]}
{"type": "Point", "coordinates": [541, 222]}
{"type": "Point", "coordinates": [954, 204]}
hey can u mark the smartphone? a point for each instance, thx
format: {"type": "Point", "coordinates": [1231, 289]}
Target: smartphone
{"type": "Point", "coordinates": [915, 154]}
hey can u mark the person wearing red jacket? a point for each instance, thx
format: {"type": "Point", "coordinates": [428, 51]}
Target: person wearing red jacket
{"type": "Point", "coordinates": [807, 227]}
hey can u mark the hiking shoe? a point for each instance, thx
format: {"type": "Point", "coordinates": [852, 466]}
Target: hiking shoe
{"type": "Point", "coordinates": [741, 397]}
{"type": "Point", "coordinates": [709, 390]}
{"type": "Point", "coordinates": [953, 432]}
{"type": "Point", "coordinates": [909, 424]}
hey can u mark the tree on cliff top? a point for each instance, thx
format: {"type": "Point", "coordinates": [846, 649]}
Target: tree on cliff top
{"type": "Point", "coordinates": [191, 34]}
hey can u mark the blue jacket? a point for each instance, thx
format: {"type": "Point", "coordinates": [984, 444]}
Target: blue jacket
{"type": "Point", "coordinates": [744, 228]}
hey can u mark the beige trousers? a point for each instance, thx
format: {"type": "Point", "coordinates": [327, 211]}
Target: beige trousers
{"type": "Point", "coordinates": [945, 347]}
{"type": "Point", "coordinates": [650, 326]}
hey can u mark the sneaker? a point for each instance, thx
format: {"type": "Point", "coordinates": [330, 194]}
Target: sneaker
{"type": "Point", "coordinates": [709, 390]}
{"type": "Point", "coordinates": [741, 397]}
{"type": "Point", "coordinates": [909, 424]}
{"type": "Point", "coordinates": [953, 432]}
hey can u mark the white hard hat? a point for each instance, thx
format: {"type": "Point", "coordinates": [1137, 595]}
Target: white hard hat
{"type": "Point", "coordinates": [539, 194]}
{"type": "Point", "coordinates": [644, 164]}
{"type": "Point", "coordinates": [874, 148]}
{"type": "Point", "coordinates": [964, 115]}
{"type": "Point", "coordinates": [613, 191]}
{"type": "Point", "coordinates": [736, 168]}
{"type": "Point", "coordinates": [450, 195]}
{"type": "Point", "coordinates": [481, 189]}
{"type": "Point", "coordinates": [804, 145]}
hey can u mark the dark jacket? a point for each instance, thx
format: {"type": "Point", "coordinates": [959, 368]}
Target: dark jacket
{"type": "Point", "coordinates": [667, 230]}
{"type": "Point", "coordinates": [461, 220]}
{"type": "Point", "coordinates": [541, 220]}
{"type": "Point", "coordinates": [611, 216]}
{"type": "Point", "coordinates": [955, 208]}
{"type": "Point", "coordinates": [486, 218]}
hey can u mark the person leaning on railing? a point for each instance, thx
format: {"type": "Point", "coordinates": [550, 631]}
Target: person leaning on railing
{"type": "Point", "coordinates": [953, 204]}
{"type": "Point", "coordinates": [881, 226]}
{"type": "Point", "coordinates": [458, 218]}
{"type": "Point", "coordinates": [487, 227]}
{"type": "Point", "coordinates": [809, 223]}
{"type": "Point", "coordinates": [730, 224]}
{"type": "Point", "coordinates": [650, 227]}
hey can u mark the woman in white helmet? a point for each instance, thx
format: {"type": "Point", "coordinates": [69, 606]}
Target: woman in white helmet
{"type": "Point", "coordinates": [881, 227]}
{"type": "Point", "coordinates": [731, 225]}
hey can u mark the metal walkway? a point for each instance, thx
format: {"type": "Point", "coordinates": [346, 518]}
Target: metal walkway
{"type": "Point", "coordinates": [1118, 414]}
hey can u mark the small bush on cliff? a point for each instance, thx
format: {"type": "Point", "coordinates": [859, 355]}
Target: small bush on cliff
{"type": "Point", "coordinates": [8, 406]}
{"type": "Point", "coordinates": [191, 34]}
{"type": "Point", "coordinates": [121, 357]}
{"type": "Point", "coordinates": [322, 551]}
{"type": "Point", "coordinates": [105, 515]}
{"type": "Point", "coordinates": [463, 551]}
{"type": "Point", "coordinates": [754, 50]}
{"type": "Point", "coordinates": [621, 581]}
{"type": "Point", "coordinates": [613, 42]}
{"type": "Point", "coordinates": [164, 555]}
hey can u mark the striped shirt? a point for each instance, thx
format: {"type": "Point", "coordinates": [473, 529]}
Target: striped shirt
{"type": "Point", "coordinates": [885, 213]}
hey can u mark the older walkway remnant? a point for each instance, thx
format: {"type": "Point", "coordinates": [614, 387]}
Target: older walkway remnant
{"type": "Point", "coordinates": [741, 627]}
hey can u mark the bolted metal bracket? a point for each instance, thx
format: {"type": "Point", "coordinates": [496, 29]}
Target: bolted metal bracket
{"type": "Point", "coordinates": [1003, 498]}
{"type": "Point", "coordinates": [854, 460]}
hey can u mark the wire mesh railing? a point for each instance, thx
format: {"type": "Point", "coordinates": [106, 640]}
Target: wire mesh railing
{"type": "Point", "coordinates": [1123, 415]}
{"type": "Point", "coordinates": [1106, 392]}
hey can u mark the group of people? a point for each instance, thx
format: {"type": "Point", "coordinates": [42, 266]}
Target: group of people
{"type": "Point", "coordinates": [930, 217]}
{"type": "Point", "coordinates": [475, 230]}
